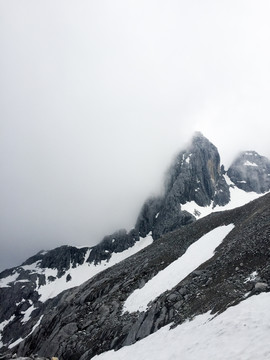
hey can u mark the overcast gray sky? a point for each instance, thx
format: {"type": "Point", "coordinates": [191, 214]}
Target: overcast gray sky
{"type": "Point", "coordinates": [97, 96]}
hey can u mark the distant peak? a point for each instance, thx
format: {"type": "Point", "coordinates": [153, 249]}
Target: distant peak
{"type": "Point", "coordinates": [198, 134]}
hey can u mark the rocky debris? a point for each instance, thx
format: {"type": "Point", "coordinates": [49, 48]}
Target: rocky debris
{"type": "Point", "coordinates": [251, 172]}
{"type": "Point", "coordinates": [33, 357]}
{"type": "Point", "coordinates": [195, 175]}
{"type": "Point", "coordinates": [261, 286]}
{"type": "Point", "coordinates": [88, 320]}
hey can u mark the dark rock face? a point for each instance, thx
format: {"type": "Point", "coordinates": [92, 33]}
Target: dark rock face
{"type": "Point", "coordinates": [148, 214]}
{"type": "Point", "coordinates": [88, 320]}
{"type": "Point", "coordinates": [195, 175]}
{"type": "Point", "coordinates": [251, 172]}
{"type": "Point", "coordinates": [117, 242]}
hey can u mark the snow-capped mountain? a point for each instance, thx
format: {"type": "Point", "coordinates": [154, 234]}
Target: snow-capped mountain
{"type": "Point", "coordinates": [66, 302]}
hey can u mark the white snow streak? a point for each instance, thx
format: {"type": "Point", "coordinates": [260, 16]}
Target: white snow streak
{"type": "Point", "coordinates": [3, 324]}
{"type": "Point", "coordinates": [248, 163]}
{"type": "Point", "coordinates": [21, 339]}
{"type": "Point", "coordinates": [27, 314]}
{"type": "Point", "coordinates": [196, 254]}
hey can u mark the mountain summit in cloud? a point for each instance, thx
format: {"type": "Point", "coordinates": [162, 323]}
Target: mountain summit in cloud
{"type": "Point", "coordinates": [196, 176]}
{"type": "Point", "coordinates": [78, 302]}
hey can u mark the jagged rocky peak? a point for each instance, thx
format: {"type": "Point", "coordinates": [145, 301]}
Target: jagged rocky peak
{"type": "Point", "coordinates": [61, 258]}
{"type": "Point", "coordinates": [195, 175]}
{"type": "Point", "coordinates": [251, 172]}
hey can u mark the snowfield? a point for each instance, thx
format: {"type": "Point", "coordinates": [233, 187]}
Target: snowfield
{"type": "Point", "coordinates": [197, 253]}
{"type": "Point", "coordinates": [240, 333]}
{"type": "Point", "coordinates": [238, 198]}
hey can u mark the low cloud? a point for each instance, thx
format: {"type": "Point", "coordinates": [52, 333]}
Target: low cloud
{"type": "Point", "coordinates": [97, 98]}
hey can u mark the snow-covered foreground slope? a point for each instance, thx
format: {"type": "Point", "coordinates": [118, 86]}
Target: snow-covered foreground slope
{"type": "Point", "coordinates": [196, 254]}
{"type": "Point", "coordinates": [238, 198]}
{"type": "Point", "coordinates": [240, 333]}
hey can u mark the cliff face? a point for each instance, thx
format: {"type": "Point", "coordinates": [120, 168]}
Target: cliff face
{"type": "Point", "coordinates": [195, 175]}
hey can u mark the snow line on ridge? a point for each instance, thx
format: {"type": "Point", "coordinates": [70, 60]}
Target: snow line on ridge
{"type": "Point", "coordinates": [84, 272]}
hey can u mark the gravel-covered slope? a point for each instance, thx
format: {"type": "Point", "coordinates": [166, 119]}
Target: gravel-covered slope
{"type": "Point", "coordinates": [89, 319]}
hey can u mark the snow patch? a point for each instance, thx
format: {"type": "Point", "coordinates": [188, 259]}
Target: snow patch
{"type": "Point", "coordinates": [9, 279]}
{"type": "Point", "coordinates": [188, 158]}
{"type": "Point", "coordinates": [228, 180]}
{"type": "Point", "coordinates": [238, 196]}
{"type": "Point", "coordinates": [27, 314]}
{"type": "Point", "coordinates": [248, 163]}
{"type": "Point", "coordinates": [251, 277]}
{"type": "Point", "coordinates": [197, 253]}
{"type": "Point", "coordinates": [32, 267]}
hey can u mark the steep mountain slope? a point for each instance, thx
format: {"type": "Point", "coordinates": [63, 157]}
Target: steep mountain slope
{"type": "Point", "coordinates": [196, 185]}
{"type": "Point", "coordinates": [91, 318]}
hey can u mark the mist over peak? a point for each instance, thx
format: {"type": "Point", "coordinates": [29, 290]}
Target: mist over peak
{"type": "Point", "coordinates": [94, 104]}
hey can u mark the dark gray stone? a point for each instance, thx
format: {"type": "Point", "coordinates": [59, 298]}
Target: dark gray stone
{"type": "Point", "coordinates": [195, 175]}
{"type": "Point", "coordinates": [261, 286]}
